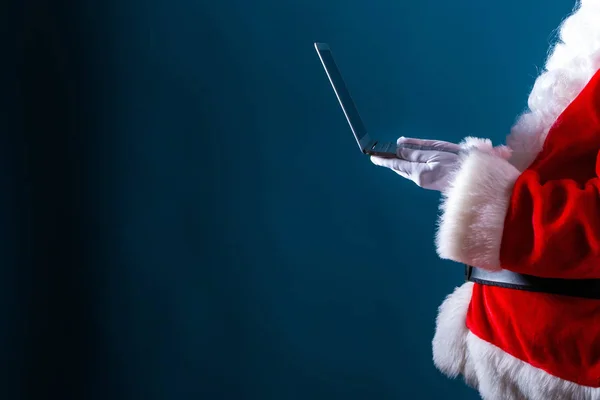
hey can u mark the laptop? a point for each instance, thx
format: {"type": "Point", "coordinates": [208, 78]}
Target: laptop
{"type": "Point", "coordinates": [367, 144]}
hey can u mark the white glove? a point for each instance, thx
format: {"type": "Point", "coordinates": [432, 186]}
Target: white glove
{"type": "Point", "coordinates": [429, 163]}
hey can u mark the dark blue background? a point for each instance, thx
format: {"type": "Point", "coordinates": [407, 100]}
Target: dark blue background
{"type": "Point", "coordinates": [188, 216]}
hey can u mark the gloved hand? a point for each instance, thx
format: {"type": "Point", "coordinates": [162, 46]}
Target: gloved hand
{"type": "Point", "coordinates": [430, 163]}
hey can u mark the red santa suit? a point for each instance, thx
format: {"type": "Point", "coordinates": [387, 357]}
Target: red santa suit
{"type": "Point", "coordinates": [537, 213]}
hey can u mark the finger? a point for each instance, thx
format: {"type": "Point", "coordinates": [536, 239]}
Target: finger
{"type": "Point", "coordinates": [424, 142]}
{"type": "Point", "coordinates": [427, 144]}
{"type": "Point", "coordinates": [384, 162]}
{"type": "Point", "coordinates": [425, 156]}
{"type": "Point", "coordinates": [415, 156]}
{"type": "Point", "coordinates": [402, 167]}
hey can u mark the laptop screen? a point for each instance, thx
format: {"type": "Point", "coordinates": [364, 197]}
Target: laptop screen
{"type": "Point", "coordinates": [341, 91]}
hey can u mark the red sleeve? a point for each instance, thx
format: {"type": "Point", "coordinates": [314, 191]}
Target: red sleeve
{"type": "Point", "coordinates": [552, 229]}
{"type": "Point", "coordinates": [495, 218]}
{"type": "Point", "coordinates": [544, 221]}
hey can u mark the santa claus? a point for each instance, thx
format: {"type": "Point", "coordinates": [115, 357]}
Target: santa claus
{"type": "Point", "coordinates": [526, 216]}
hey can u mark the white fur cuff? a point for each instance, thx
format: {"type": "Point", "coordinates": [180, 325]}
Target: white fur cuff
{"type": "Point", "coordinates": [473, 210]}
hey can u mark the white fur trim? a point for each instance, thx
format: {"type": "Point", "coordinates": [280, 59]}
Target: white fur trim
{"type": "Point", "coordinates": [498, 375]}
{"type": "Point", "coordinates": [571, 63]}
{"type": "Point", "coordinates": [473, 210]}
{"type": "Point", "coordinates": [486, 146]}
{"type": "Point", "coordinates": [449, 345]}
{"type": "Point", "coordinates": [488, 369]}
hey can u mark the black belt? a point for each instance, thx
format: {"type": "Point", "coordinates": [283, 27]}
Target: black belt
{"type": "Point", "coordinates": [585, 288]}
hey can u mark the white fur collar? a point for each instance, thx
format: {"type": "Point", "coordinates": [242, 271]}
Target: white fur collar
{"type": "Point", "coordinates": [571, 63]}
